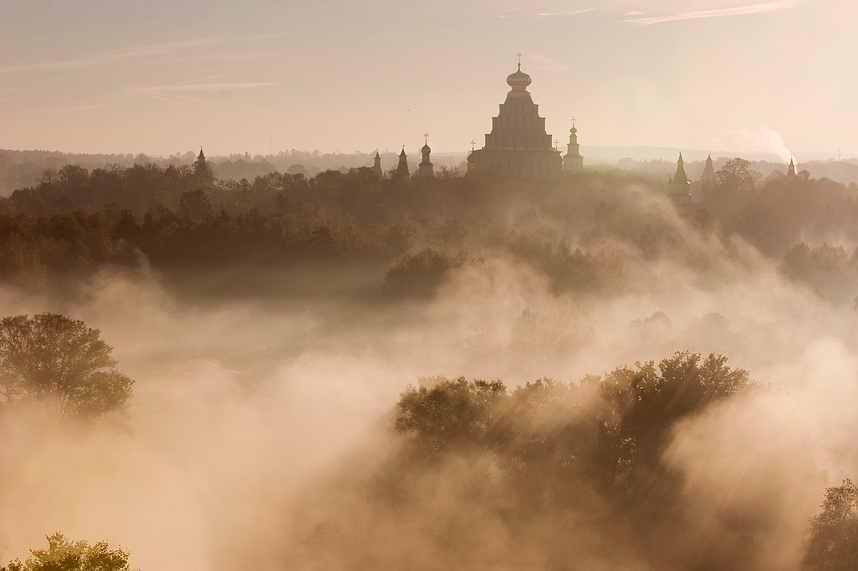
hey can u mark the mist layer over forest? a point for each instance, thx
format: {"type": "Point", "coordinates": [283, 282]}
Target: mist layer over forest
{"type": "Point", "coordinates": [356, 372]}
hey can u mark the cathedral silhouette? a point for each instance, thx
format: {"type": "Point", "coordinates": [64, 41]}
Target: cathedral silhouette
{"type": "Point", "coordinates": [518, 144]}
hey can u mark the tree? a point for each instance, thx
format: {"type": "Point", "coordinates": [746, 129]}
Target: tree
{"type": "Point", "coordinates": [66, 555]}
{"type": "Point", "coordinates": [62, 366]}
{"type": "Point", "coordinates": [421, 274]}
{"type": "Point", "coordinates": [195, 205]}
{"type": "Point", "coordinates": [451, 413]}
{"type": "Point", "coordinates": [833, 543]}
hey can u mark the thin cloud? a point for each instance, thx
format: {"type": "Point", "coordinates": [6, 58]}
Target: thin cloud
{"type": "Point", "coordinates": [565, 12]}
{"type": "Point", "coordinates": [112, 57]}
{"type": "Point", "coordinates": [117, 56]}
{"type": "Point", "coordinates": [76, 108]}
{"type": "Point", "coordinates": [543, 62]}
{"type": "Point", "coordinates": [204, 87]}
{"type": "Point", "coordinates": [717, 13]}
{"type": "Point", "coordinates": [173, 92]}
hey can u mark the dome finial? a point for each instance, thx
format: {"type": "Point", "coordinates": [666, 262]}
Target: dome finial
{"type": "Point", "coordinates": [518, 80]}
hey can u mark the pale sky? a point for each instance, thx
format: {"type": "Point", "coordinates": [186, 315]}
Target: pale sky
{"type": "Point", "coordinates": [160, 77]}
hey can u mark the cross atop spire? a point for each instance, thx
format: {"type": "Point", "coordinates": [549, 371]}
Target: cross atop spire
{"type": "Point", "coordinates": [519, 62]}
{"type": "Point", "coordinates": [425, 138]}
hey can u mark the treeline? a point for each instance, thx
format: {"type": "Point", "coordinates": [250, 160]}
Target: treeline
{"type": "Point", "coordinates": [591, 234]}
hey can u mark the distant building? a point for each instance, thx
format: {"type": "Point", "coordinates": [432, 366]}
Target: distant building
{"type": "Point", "coordinates": [376, 167]}
{"type": "Point", "coordinates": [402, 168]}
{"type": "Point", "coordinates": [202, 170]}
{"type": "Point", "coordinates": [518, 145]}
{"type": "Point", "coordinates": [791, 170]}
{"type": "Point", "coordinates": [573, 161]}
{"type": "Point", "coordinates": [425, 169]}
{"type": "Point", "coordinates": [708, 176]}
{"type": "Point", "coordinates": [680, 186]}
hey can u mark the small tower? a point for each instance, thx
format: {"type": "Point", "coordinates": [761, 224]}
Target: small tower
{"type": "Point", "coordinates": [708, 176]}
{"type": "Point", "coordinates": [424, 169]}
{"type": "Point", "coordinates": [791, 170]}
{"type": "Point", "coordinates": [202, 170]}
{"type": "Point", "coordinates": [573, 161]}
{"type": "Point", "coordinates": [376, 167]}
{"type": "Point", "coordinates": [402, 168]}
{"type": "Point", "coordinates": [680, 186]}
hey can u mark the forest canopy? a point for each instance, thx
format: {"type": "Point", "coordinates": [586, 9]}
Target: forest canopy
{"type": "Point", "coordinates": [586, 233]}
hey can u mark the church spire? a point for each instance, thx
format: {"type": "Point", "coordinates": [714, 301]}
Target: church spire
{"type": "Point", "coordinates": [680, 187]}
{"type": "Point", "coordinates": [791, 170]}
{"type": "Point", "coordinates": [402, 168]}
{"type": "Point", "coordinates": [376, 167]}
{"type": "Point", "coordinates": [708, 176]}
{"type": "Point", "coordinates": [679, 177]}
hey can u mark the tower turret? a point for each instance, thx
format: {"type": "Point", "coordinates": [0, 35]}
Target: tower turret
{"type": "Point", "coordinates": [680, 176]}
{"type": "Point", "coordinates": [791, 170]}
{"type": "Point", "coordinates": [202, 170]}
{"type": "Point", "coordinates": [680, 187]}
{"type": "Point", "coordinates": [573, 161]}
{"type": "Point", "coordinates": [708, 176]}
{"type": "Point", "coordinates": [376, 167]}
{"type": "Point", "coordinates": [402, 168]}
{"type": "Point", "coordinates": [425, 169]}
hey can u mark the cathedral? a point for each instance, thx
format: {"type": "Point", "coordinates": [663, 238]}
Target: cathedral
{"type": "Point", "coordinates": [518, 145]}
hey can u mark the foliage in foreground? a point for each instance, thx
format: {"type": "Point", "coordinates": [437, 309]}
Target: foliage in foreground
{"type": "Point", "coordinates": [539, 476]}
{"type": "Point", "coordinates": [64, 554]}
{"type": "Point", "coordinates": [61, 366]}
{"type": "Point", "coordinates": [617, 426]}
{"type": "Point", "coordinates": [833, 542]}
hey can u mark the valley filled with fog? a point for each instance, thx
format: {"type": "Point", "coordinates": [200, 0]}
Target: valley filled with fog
{"type": "Point", "coordinates": [286, 334]}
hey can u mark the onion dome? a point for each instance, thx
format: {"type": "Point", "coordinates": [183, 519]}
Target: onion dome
{"type": "Point", "coordinates": [518, 80]}
{"type": "Point", "coordinates": [425, 150]}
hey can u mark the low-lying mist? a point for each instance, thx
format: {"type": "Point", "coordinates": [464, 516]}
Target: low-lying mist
{"type": "Point", "coordinates": [262, 426]}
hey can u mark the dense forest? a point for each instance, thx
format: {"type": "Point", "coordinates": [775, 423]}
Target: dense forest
{"type": "Point", "coordinates": [355, 371]}
{"type": "Point", "coordinates": [587, 233]}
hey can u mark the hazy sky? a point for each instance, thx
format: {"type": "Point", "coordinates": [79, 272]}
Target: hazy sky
{"type": "Point", "coordinates": [163, 77]}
